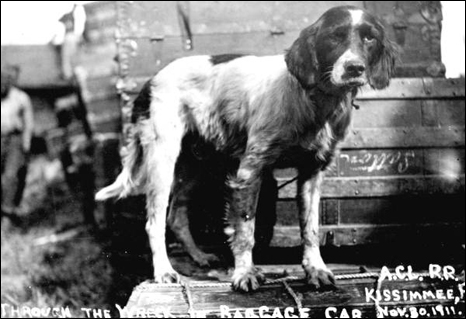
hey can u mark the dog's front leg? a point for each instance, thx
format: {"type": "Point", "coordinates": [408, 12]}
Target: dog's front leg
{"type": "Point", "coordinates": [245, 192]}
{"type": "Point", "coordinates": [317, 273]}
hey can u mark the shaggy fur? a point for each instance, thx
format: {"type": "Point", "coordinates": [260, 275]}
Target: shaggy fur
{"type": "Point", "coordinates": [261, 112]}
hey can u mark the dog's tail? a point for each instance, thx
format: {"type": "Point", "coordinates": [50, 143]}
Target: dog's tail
{"type": "Point", "coordinates": [129, 180]}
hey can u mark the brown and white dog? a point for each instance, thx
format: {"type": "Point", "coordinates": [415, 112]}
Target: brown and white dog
{"type": "Point", "coordinates": [261, 112]}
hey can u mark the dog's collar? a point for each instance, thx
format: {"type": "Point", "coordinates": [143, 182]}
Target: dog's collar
{"type": "Point", "coordinates": [353, 97]}
{"type": "Point", "coordinates": [317, 90]}
{"type": "Point", "coordinates": [355, 106]}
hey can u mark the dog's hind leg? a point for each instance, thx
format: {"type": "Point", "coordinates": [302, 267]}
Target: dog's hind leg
{"type": "Point", "coordinates": [179, 224]}
{"type": "Point", "coordinates": [187, 177]}
{"type": "Point", "coordinates": [161, 140]}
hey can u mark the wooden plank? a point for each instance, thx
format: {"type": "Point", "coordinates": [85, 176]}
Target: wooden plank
{"type": "Point", "coordinates": [443, 112]}
{"type": "Point", "coordinates": [138, 19]}
{"type": "Point", "coordinates": [296, 15]}
{"type": "Point", "coordinates": [144, 19]}
{"type": "Point", "coordinates": [404, 88]}
{"type": "Point", "coordinates": [399, 89]}
{"type": "Point", "coordinates": [416, 54]}
{"type": "Point", "coordinates": [389, 186]}
{"type": "Point", "coordinates": [446, 162]}
{"type": "Point", "coordinates": [106, 160]}
{"type": "Point", "coordinates": [402, 210]}
{"type": "Point", "coordinates": [227, 17]}
{"type": "Point", "coordinates": [417, 35]}
{"type": "Point", "coordinates": [290, 236]}
{"type": "Point", "coordinates": [287, 212]}
{"type": "Point", "coordinates": [150, 57]}
{"type": "Point", "coordinates": [383, 186]}
{"type": "Point", "coordinates": [33, 75]}
{"type": "Point", "coordinates": [372, 113]}
{"type": "Point", "coordinates": [283, 41]}
{"type": "Point", "coordinates": [101, 21]}
{"type": "Point", "coordinates": [409, 137]}
{"type": "Point", "coordinates": [329, 212]}
{"type": "Point", "coordinates": [109, 123]}
{"type": "Point", "coordinates": [381, 163]}
{"type": "Point", "coordinates": [380, 211]}
{"type": "Point", "coordinates": [387, 113]}
{"type": "Point", "coordinates": [418, 69]}
{"type": "Point", "coordinates": [436, 87]}
{"type": "Point", "coordinates": [109, 106]}
{"type": "Point", "coordinates": [96, 60]}
{"type": "Point", "coordinates": [416, 88]}
{"type": "Point", "coordinates": [391, 162]}
{"type": "Point", "coordinates": [100, 89]}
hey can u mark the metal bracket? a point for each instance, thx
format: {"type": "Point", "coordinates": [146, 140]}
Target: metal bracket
{"type": "Point", "coordinates": [183, 9]}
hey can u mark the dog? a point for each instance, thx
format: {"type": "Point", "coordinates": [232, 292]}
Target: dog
{"type": "Point", "coordinates": [261, 113]}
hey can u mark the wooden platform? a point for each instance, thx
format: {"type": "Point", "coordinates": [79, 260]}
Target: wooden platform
{"type": "Point", "coordinates": [360, 293]}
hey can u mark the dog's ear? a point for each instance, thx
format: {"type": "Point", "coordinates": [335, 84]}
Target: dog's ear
{"type": "Point", "coordinates": [301, 58]}
{"type": "Point", "coordinates": [383, 66]}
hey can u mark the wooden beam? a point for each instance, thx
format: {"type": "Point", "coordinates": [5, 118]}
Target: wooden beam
{"type": "Point", "coordinates": [357, 234]}
{"type": "Point", "coordinates": [417, 88]}
{"type": "Point", "coordinates": [343, 187]}
{"type": "Point", "coordinates": [406, 137]}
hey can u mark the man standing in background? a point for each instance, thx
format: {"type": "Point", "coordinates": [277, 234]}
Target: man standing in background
{"type": "Point", "coordinates": [17, 128]}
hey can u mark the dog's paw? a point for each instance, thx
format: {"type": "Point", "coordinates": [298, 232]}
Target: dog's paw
{"type": "Point", "coordinates": [320, 278]}
{"type": "Point", "coordinates": [247, 279]}
{"type": "Point", "coordinates": [205, 260]}
{"type": "Point", "coordinates": [167, 277]}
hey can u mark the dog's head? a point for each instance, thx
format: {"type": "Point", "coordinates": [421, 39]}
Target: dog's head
{"type": "Point", "coordinates": [346, 48]}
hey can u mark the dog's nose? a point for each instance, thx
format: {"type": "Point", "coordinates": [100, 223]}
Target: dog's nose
{"type": "Point", "coordinates": [354, 68]}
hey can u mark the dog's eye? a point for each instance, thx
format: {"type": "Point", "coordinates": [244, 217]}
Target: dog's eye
{"type": "Point", "coordinates": [338, 35]}
{"type": "Point", "coordinates": [368, 38]}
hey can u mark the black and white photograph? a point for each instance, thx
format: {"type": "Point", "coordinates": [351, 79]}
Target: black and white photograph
{"type": "Point", "coordinates": [233, 159]}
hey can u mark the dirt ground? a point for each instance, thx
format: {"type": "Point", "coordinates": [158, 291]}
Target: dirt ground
{"type": "Point", "coordinates": [39, 269]}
